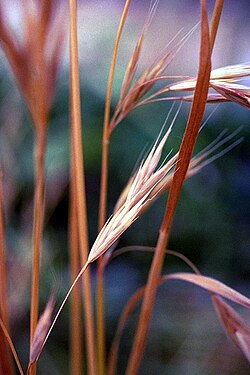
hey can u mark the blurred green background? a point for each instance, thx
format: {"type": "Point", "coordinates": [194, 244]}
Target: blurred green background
{"type": "Point", "coordinates": [211, 224]}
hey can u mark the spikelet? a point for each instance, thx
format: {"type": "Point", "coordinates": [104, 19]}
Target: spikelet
{"type": "Point", "coordinates": [35, 57]}
{"type": "Point", "coordinates": [233, 92]}
{"type": "Point", "coordinates": [235, 326]}
{"type": "Point", "coordinates": [131, 94]}
{"type": "Point", "coordinates": [41, 331]}
{"type": "Point", "coordinates": [225, 81]}
{"type": "Point", "coordinates": [139, 193]}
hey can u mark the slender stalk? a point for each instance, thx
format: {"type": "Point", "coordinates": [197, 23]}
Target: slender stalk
{"type": "Point", "coordinates": [76, 339]}
{"type": "Point", "coordinates": [215, 21]}
{"type": "Point", "coordinates": [185, 153]}
{"type": "Point", "coordinates": [146, 311]}
{"type": "Point", "coordinates": [6, 365]}
{"type": "Point", "coordinates": [100, 320]}
{"type": "Point", "coordinates": [37, 103]}
{"type": "Point", "coordinates": [8, 370]}
{"type": "Point", "coordinates": [80, 185]}
{"type": "Point", "coordinates": [4, 310]}
{"type": "Point", "coordinates": [103, 198]}
{"type": "Point", "coordinates": [40, 149]}
{"type": "Point", "coordinates": [106, 132]}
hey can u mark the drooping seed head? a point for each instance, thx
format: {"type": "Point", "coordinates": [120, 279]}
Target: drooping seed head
{"type": "Point", "coordinates": [138, 193]}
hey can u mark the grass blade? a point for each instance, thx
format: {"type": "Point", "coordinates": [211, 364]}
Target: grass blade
{"type": "Point", "coordinates": [78, 162]}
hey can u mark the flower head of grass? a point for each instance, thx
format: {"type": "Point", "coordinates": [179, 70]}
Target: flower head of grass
{"type": "Point", "coordinates": [41, 331]}
{"type": "Point", "coordinates": [226, 81]}
{"type": "Point", "coordinates": [139, 193]}
{"type": "Point", "coordinates": [132, 93]}
{"type": "Point", "coordinates": [34, 58]}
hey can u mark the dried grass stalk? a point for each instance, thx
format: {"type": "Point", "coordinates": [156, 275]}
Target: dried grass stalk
{"type": "Point", "coordinates": [79, 185]}
{"type": "Point", "coordinates": [186, 149]}
{"type": "Point", "coordinates": [6, 365]}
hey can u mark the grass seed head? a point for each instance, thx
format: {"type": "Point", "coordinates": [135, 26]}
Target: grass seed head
{"type": "Point", "coordinates": [131, 95]}
{"type": "Point", "coordinates": [225, 81]}
{"type": "Point", "coordinates": [234, 325]}
{"type": "Point", "coordinates": [35, 57]}
{"type": "Point", "coordinates": [138, 194]}
{"type": "Point", "coordinates": [41, 331]}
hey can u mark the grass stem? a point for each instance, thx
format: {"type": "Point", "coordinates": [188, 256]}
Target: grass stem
{"type": "Point", "coordinates": [80, 186]}
{"type": "Point", "coordinates": [185, 153]}
{"type": "Point", "coordinates": [38, 219]}
{"type": "Point", "coordinates": [8, 370]}
{"type": "Point", "coordinates": [103, 198]}
{"type": "Point", "coordinates": [215, 21]}
{"type": "Point", "coordinates": [106, 131]}
{"type": "Point", "coordinates": [6, 365]}
{"type": "Point", "coordinates": [76, 337]}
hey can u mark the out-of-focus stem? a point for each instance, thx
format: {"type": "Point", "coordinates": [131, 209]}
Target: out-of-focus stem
{"type": "Point", "coordinates": [6, 365]}
{"type": "Point", "coordinates": [76, 339]}
{"type": "Point", "coordinates": [6, 370]}
{"type": "Point", "coordinates": [38, 218]}
{"type": "Point", "coordinates": [80, 186]}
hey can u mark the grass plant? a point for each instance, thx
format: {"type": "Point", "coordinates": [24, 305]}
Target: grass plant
{"type": "Point", "coordinates": [34, 60]}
